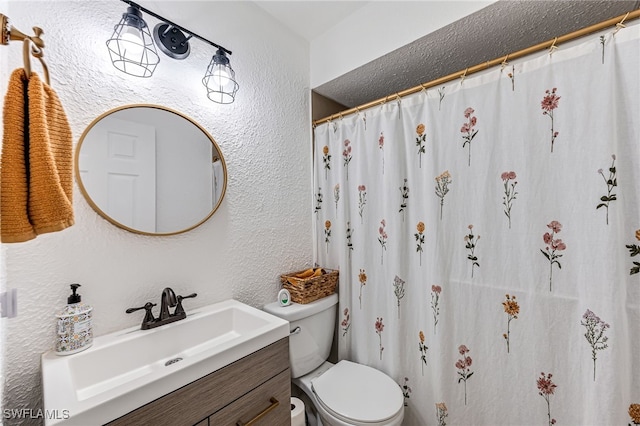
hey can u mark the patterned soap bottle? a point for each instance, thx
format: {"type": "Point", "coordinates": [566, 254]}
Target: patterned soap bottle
{"type": "Point", "coordinates": [74, 332]}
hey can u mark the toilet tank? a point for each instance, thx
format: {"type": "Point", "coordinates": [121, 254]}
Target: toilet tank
{"type": "Point", "coordinates": [312, 326]}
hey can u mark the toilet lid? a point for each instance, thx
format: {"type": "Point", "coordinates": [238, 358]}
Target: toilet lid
{"type": "Point", "coordinates": [358, 392]}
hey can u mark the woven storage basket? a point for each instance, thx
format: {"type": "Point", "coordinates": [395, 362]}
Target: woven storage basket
{"type": "Point", "coordinates": [306, 290]}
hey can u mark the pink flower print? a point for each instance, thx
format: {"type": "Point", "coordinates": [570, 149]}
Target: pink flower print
{"type": "Point", "coordinates": [381, 146]}
{"type": "Point", "coordinates": [468, 112]}
{"type": "Point", "coordinates": [553, 246]}
{"type": "Point", "coordinates": [467, 128]}
{"type": "Point", "coordinates": [508, 179]}
{"type": "Point", "coordinates": [555, 226]}
{"type": "Point", "coordinates": [346, 154]}
{"type": "Point", "coordinates": [346, 321]}
{"type": "Point", "coordinates": [549, 104]}
{"type": "Point", "coordinates": [379, 329]}
{"type": "Point", "coordinates": [463, 365]}
{"type": "Point", "coordinates": [362, 200]}
{"type": "Point", "coordinates": [435, 299]}
{"type": "Point", "coordinates": [382, 239]}
{"type": "Point", "coordinates": [546, 388]}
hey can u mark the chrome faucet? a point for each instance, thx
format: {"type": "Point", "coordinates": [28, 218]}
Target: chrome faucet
{"type": "Point", "coordinates": [167, 300]}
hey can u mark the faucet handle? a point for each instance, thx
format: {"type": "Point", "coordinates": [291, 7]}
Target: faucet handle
{"type": "Point", "coordinates": [148, 317]}
{"type": "Point", "coordinates": [179, 309]}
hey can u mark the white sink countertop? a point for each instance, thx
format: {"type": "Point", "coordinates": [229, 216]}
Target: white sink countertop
{"type": "Point", "coordinates": [127, 369]}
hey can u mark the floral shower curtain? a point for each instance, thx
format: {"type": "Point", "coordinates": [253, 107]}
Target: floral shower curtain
{"type": "Point", "coordinates": [487, 234]}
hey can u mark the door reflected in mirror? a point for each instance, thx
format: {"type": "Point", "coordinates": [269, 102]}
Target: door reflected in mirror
{"type": "Point", "coordinates": [150, 170]}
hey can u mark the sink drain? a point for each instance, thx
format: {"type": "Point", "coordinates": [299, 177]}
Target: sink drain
{"type": "Point", "coordinates": [172, 361]}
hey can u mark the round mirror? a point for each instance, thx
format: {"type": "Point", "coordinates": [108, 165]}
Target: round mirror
{"type": "Point", "coordinates": [150, 170]}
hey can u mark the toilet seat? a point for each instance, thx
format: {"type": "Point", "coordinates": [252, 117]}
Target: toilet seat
{"type": "Point", "coordinates": [358, 394]}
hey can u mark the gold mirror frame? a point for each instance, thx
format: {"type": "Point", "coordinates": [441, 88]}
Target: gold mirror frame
{"type": "Point", "coordinates": [103, 214]}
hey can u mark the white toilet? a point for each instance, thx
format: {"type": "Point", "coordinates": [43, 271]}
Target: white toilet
{"type": "Point", "coordinates": [344, 394]}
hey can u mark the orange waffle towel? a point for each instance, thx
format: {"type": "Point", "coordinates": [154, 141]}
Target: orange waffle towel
{"type": "Point", "coordinates": [36, 181]}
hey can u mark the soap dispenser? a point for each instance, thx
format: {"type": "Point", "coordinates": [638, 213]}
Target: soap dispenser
{"type": "Point", "coordinates": [74, 329]}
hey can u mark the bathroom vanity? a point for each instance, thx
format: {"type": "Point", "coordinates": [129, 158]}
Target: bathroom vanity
{"type": "Point", "coordinates": [254, 387]}
{"type": "Point", "coordinates": [224, 364]}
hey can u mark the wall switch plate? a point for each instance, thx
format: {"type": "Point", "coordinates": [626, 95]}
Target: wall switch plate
{"type": "Point", "coordinates": [9, 303]}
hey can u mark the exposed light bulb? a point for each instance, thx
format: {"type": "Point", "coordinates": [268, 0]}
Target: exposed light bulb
{"type": "Point", "coordinates": [131, 41]}
{"type": "Point", "coordinates": [221, 76]}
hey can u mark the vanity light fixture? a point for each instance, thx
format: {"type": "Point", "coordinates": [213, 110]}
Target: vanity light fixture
{"type": "Point", "coordinates": [133, 51]}
{"type": "Point", "coordinates": [131, 47]}
{"type": "Point", "coordinates": [220, 79]}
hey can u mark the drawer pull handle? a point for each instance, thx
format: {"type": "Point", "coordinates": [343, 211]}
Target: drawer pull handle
{"type": "Point", "coordinates": [274, 404]}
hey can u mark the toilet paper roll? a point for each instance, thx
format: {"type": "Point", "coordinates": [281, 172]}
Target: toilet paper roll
{"type": "Point", "coordinates": [297, 412]}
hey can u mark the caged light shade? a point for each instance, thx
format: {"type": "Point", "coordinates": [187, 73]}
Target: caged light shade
{"type": "Point", "coordinates": [131, 46]}
{"type": "Point", "coordinates": [220, 79]}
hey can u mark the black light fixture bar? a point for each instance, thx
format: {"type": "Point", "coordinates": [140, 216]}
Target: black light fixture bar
{"type": "Point", "coordinates": [155, 15]}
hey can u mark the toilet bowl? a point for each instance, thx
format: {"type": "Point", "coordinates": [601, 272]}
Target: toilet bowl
{"type": "Point", "coordinates": [343, 394]}
{"type": "Point", "coordinates": [350, 394]}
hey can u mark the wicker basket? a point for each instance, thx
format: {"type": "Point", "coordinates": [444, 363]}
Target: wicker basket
{"type": "Point", "coordinates": [306, 290]}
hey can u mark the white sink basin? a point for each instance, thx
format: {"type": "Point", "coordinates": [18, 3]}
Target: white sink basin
{"type": "Point", "coordinates": [127, 369]}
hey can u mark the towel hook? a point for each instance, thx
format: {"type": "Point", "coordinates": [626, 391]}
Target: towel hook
{"type": "Point", "coordinates": [26, 51]}
{"type": "Point", "coordinates": [33, 45]}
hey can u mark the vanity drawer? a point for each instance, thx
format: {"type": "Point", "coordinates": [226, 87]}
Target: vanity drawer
{"type": "Point", "coordinates": [198, 400]}
{"type": "Point", "coordinates": [259, 401]}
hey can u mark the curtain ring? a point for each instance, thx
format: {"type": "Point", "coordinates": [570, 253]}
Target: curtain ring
{"type": "Point", "coordinates": [463, 76]}
{"type": "Point", "coordinates": [553, 46]}
{"type": "Point", "coordinates": [620, 24]}
{"type": "Point", "coordinates": [504, 63]}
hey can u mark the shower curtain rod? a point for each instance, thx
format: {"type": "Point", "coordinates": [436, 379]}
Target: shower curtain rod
{"type": "Point", "coordinates": [617, 21]}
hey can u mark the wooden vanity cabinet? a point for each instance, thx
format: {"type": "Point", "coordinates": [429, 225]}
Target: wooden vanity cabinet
{"type": "Point", "coordinates": [254, 388]}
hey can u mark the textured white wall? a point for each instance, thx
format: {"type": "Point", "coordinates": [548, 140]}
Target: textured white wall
{"type": "Point", "coordinates": [263, 227]}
